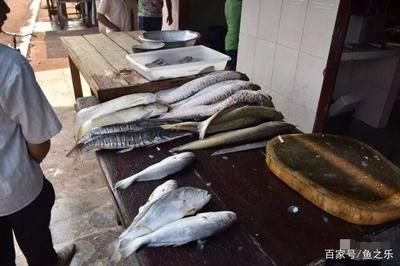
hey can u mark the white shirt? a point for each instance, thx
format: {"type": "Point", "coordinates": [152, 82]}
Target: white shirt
{"type": "Point", "coordinates": [118, 12]}
{"type": "Point", "coordinates": [25, 116]}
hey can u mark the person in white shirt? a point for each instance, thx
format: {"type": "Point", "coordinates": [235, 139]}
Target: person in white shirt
{"type": "Point", "coordinates": [115, 15]}
{"type": "Point", "coordinates": [27, 123]}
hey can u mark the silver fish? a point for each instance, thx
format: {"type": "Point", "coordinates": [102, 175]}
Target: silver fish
{"type": "Point", "coordinates": [122, 116]}
{"type": "Point", "coordinates": [111, 106]}
{"type": "Point", "coordinates": [158, 192]}
{"type": "Point", "coordinates": [166, 167]}
{"type": "Point", "coordinates": [220, 92]}
{"type": "Point", "coordinates": [132, 126]}
{"type": "Point", "coordinates": [264, 131]}
{"type": "Point", "coordinates": [243, 96]}
{"type": "Point", "coordinates": [198, 84]}
{"type": "Point", "coordinates": [183, 231]}
{"type": "Point", "coordinates": [216, 93]}
{"type": "Point", "coordinates": [171, 207]}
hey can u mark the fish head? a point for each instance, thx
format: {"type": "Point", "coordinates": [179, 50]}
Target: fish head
{"type": "Point", "coordinates": [264, 100]}
{"type": "Point", "coordinates": [194, 198]}
{"type": "Point", "coordinates": [220, 217]}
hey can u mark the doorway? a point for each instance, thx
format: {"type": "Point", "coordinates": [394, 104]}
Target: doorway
{"type": "Point", "coordinates": [361, 92]}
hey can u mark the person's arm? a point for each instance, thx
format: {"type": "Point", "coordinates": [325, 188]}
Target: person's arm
{"type": "Point", "coordinates": [106, 22]}
{"type": "Point", "coordinates": [169, 8]}
{"type": "Point", "coordinates": [38, 151]}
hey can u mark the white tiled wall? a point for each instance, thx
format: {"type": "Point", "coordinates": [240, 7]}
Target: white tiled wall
{"type": "Point", "coordinates": [284, 45]}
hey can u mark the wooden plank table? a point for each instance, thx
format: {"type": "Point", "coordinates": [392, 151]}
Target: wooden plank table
{"type": "Point", "coordinates": [100, 58]}
{"type": "Point", "coordinates": [266, 233]}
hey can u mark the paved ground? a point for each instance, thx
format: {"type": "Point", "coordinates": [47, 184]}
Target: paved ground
{"type": "Point", "coordinates": [83, 211]}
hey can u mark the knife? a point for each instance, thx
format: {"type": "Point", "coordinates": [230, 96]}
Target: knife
{"type": "Point", "coordinates": [244, 147]}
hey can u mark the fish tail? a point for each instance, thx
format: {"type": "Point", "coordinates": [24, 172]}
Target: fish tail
{"type": "Point", "coordinates": [124, 183]}
{"type": "Point", "coordinates": [114, 250]}
{"type": "Point", "coordinates": [75, 151]}
{"type": "Point", "coordinates": [132, 246]}
{"type": "Point", "coordinates": [187, 126]}
{"type": "Point", "coordinates": [202, 127]}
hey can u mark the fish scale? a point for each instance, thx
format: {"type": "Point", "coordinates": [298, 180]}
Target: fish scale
{"type": "Point", "coordinates": [198, 84]}
{"type": "Point", "coordinates": [243, 96]}
{"type": "Point", "coordinates": [133, 126]}
{"type": "Point", "coordinates": [218, 92]}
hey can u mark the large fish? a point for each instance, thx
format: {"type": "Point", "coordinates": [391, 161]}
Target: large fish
{"type": "Point", "coordinates": [159, 191]}
{"type": "Point", "coordinates": [171, 207]}
{"type": "Point", "coordinates": [229, 119]}
{"type": "Point", "coordinates": [198, 84]}
{"type": "Point", "coordinates": [122, 116]}
{"type": "Point", "coordinates": [166, 167]}
{"type": "Point", "coordinates": [111, 106]}
{"type": "Point", "coordinates": [216, 93]}
{"type": "Point", "coordinates": [132, 126]}
{"type": "Point", "coordinates": [240, 97]}
{"type": "Point", "coordinates": [182, 231]}
{"type": "Point", "coordinates": [126, 141]}
{"type": "Point", "coordinates": [263, 131]}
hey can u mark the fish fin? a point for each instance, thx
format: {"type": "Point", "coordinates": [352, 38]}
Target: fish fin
{"type": "Point", "coordinates": [147, 115]}
{"type": "Point", "coordinates": [202, 127]}
{"type": "Point", "coordinates": [187, 126]}
{"type": "Point", "coordinates": [125, 150]}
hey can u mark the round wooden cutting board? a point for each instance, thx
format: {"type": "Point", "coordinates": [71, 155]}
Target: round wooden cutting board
{"type": "Point", "coordinates": [342, 176]}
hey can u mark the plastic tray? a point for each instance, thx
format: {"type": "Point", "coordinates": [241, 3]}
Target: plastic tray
{"type": "Point", "coordinates": [208, 60]}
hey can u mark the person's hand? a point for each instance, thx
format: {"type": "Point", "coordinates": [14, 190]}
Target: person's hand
{"type": "Point", "coordinates": [169, 20]}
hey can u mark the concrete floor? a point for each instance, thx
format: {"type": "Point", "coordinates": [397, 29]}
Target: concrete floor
{"type": "Point", "coordinates": [83, 213]}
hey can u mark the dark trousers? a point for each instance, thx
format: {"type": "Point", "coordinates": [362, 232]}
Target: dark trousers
{"type": "Point", "coordinates": [231, 65]}
{"type": "Point", "coordinates": [31, 228]}
{"type": "Point", "coordinates": [150, 23]}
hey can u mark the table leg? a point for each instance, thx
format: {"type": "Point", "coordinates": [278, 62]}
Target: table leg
{"type": "Point", "coordinates": [76, 79]}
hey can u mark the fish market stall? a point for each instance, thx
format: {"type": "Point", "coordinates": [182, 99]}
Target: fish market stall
{"type": "Point", "coordinates": [138, 137]}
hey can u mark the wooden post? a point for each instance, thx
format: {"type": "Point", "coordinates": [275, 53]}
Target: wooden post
{"type": "Point", "coordinates": [332, 66]}
{"type": "Point", "coordinates": [76, 79]}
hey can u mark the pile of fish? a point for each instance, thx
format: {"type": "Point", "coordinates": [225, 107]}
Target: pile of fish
{"type": "Point", "coordinates": [221, 102]}
{"type": "Point", "coordinates": [161, 222]}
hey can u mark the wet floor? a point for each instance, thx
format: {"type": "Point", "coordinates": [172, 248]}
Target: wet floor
{"type": "Point", "coordinates": [83, 213]}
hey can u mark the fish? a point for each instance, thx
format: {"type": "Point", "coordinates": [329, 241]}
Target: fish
{"type": "Point", "coordinates": [182, 231]}
{"type": "Point", "coordinates": [228, 119]}
{"type": "Point", "coordinates": [122, 116]}
{"type": "Point", "coordinates": [132, 126]}
{"type": "Point", "coordinates": [198, 84]}
{"type": "Point", "coordinates": [126, 141]}
{"type": "Point", "coordinates": [158, 192]}
{"type": "Point", "coordinates": [216, 93]}
{"type": "Point", "coordinates": [111, 106]}
{"type": "Point", "coordinates": [170, 207]}
{"type": "Point", "coordinates": [263, 131]}
{"type": "Point", "coordinates": [166, 167]}
{"type": "Point", "coordinates": [240, 97]}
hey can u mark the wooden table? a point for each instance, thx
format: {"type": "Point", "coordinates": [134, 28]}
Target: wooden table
{"type": "Point", "coordinates": [100, 58]}
{"type": "Point", "coordinates": [265, 234]}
